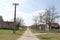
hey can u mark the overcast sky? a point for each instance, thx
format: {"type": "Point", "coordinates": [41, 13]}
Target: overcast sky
{"type": "Point", "coordinates": [26, 8]}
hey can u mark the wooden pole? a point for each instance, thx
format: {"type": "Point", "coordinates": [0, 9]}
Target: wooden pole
{"type": "Point", "coordinates": [14, 29]}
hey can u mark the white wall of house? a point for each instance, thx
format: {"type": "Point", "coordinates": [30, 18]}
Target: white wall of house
{"type": "Point", "coordinates": [47, 27]}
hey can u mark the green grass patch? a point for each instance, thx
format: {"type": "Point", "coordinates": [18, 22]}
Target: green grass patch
{"type": "Point", "coordinates": [38, 31]}
{"type": "Point", "coordinates": [49, 36]}
{"type": "Point", "coordinates": [8, 34]}
{"type": "Point", "coordinates": [44, 31]}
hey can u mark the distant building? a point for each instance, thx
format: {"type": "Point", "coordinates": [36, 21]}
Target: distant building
{"type": "Point", "coordinates": [53, 26]}
{"type": "Point", "coordinates": [6, 24]}
{"type": "Point", "coordinates": [1, 19]}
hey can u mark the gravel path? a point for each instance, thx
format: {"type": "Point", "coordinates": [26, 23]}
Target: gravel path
{"type": "Point", "coordinates": [28, 36]}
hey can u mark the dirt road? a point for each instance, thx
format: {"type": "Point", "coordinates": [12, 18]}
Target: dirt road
{"type": "Point", "coordinates": [28, 35]}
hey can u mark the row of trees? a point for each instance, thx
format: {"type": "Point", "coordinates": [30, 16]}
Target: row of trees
{"type": "Point", "coordinates": [48, 17]}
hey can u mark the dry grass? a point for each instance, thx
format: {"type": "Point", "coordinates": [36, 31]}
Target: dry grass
{"type": "Point", "coordinates": [8, 34]}
{"type": "Point", "coordinates": [49, 36]}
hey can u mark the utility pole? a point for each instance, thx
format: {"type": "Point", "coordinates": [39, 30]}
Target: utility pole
{"type": "Point", "coordinates": [14, 28]}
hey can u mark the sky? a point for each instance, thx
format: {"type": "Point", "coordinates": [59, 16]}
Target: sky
{"type": "Point", "coordinates": [26, 9]}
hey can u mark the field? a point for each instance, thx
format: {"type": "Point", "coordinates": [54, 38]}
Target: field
{"type": "Point", "coordinates": [8, 34]}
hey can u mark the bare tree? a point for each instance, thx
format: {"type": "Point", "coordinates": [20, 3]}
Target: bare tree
{"type": "Point", "coordinates": [20, 21]}
{"type": "Point", "coordinates": [50, 16]}
{"type": "Point", "coordinates": [35, 22]}
{"type": "Point", "coordinates": [40, 17]}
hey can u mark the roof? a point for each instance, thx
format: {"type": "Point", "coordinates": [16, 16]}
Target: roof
{"type": "Point", "coordinates": [52, 25]}
{"type": "Point", "coordinates": [6, 23]}
{"type": "Point", "coordinates": [55, 24]}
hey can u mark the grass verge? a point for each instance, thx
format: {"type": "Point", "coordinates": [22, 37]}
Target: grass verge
{"type": "Point", "coordinates": [8, 34]}
{"type": "Point", "coordinates": [48, 36]}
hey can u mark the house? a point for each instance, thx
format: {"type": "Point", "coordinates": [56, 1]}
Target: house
{"type": "Point", "coordinates": [42, 26]}
{"type": "Point", "coordinates": [6, 25]}
{"type": "Point", "coordinates": [54, 26]}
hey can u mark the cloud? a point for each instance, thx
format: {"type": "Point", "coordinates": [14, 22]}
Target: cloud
{"type": "Point", "coordinates": [23, 14]}
{"type": "Point", "coordinates": [7, 11]}
{"type": "Point", "coordinates": [28, 17]}
{"type": "Point", "coordinates": [38, 12]}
